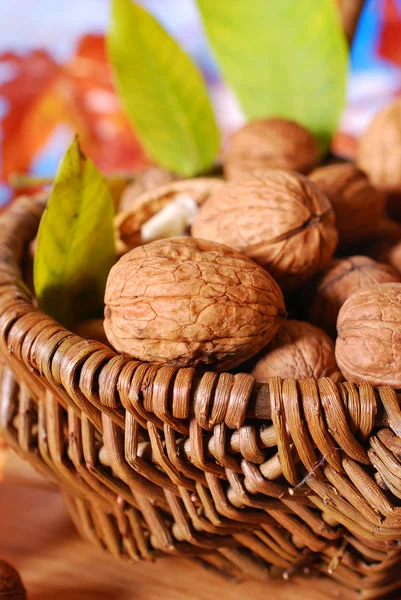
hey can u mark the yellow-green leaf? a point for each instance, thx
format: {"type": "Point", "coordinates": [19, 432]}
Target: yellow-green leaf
{"type": "Point", "coordinates": [75, 245]}
{"type": "Point", "coordinates": [162, 91]}
{"type": "Point", "coordinates": [285, 58]}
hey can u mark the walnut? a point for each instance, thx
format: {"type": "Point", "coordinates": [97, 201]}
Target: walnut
{"type": "Point", "coordinates": [379, 154]}
{"type": "Point", "coordinates": [339, 281]}
{"type": "Point", "coordinates": [185, 301]}
{"type": "Point", "coordinates": [11, 586]}
{"type": "Point", "coordinates": [270, 143]}
{"type": "Point", "coordinates": [394, 257]}
{"type": "Point", "coordinates": [299, 350]}
{"type": "Point", "coordinates": [388, 234]}
{"type": "Point", "coordinates": [358, 206]}
{"type": "Point", "coordinates": [144, 181]}
{"type": "Point", "coordinates": [368, 346]}
{"type": "Point", "coordinates": [379, 149]}
{"type": "Point", "coordinates": [279, 219]}
{"type": "Point", "coordinates": [394, 204]}
{"type": "Point", "coordinates": [131, 224]}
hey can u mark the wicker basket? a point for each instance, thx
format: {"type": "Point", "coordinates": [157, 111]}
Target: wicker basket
{"type": "Point", "coordinates": [254, 480]}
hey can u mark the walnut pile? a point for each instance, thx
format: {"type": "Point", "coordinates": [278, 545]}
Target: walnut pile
{"type": "Point", "coordinates": [368, 346]}
{"type": "Point", "coordinates": [299, 350]}
{"type": "Point", "coordinates": [358, 206]}
{"type": "Point", "coordinates": [185, 302]}
{"type": "Point", "coordinates": [270, 143]}
{"type": "Point", "coordinates": [339, 281]}
{"type": "Point", "coordinates": [279, 219]}
{"type": "Point", "coordinates": [208, 265]}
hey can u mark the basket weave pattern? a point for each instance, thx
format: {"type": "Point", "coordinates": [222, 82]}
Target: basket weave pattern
{"type": "Point", "coordinates": [254, 480]}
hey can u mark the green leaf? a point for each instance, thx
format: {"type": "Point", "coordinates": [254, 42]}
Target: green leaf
{"type": "Point", "coordinates": [284, 58]}
{"type": "Point", "coordinates": [162, 92]}
{"type": "Point", "coordinates": [75, 245]}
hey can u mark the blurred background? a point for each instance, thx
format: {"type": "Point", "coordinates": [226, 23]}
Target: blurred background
{"type": "Point", "coordinates": [55, 80]}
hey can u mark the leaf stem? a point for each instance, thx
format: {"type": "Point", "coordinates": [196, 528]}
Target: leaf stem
{"type": "Point", "coordinates": [22, 181]}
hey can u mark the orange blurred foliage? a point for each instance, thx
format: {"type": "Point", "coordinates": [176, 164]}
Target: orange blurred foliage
{"type": "Point", "coordinates": [42, 94]}
{"type": "Point", "coordinates": [389, 46]}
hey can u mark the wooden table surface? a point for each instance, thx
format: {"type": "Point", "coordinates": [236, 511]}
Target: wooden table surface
{"type": "Point", "coordinates": [37, 537]}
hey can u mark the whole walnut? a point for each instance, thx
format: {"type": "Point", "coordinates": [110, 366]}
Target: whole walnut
{"type": "Point", "coordinates": [184, 301]}
{"type": "Point", "coordinates": [11, 586]}
{"type": "Point", "coordinates": [270, 143]}
{"type": "Point", "coordinates": [339, 281]}
{"type": "Point", "coordinates": [388, 234]}
{"type": "Point", "coordinates": [358, 206]}
{"type": "Point", "coordinates": [368, 346]}
{"type": "Point", "coordinates": [379, 149]}
{"type": "Point", "coordinates": [394, 257]}
{"type": "Point", "coordinates": [298, 351]}
{"type": "Point", "coordinates": [279, 219]}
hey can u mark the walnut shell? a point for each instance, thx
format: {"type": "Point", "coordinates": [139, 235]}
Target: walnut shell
{"type": "Point", "coordinates": [145, 181]}
{"type": "Point", "coordinates": [379, 149]}
{"type": "Point", "coordinates": [394, 204]}
{"type": "Point", "coordinates": [358, 206]}
{"type": "Point", "coordinates": [379, 154]}
{"type": "Point", "coordinates": [279, 219]}
{"type": "Point", "coordinates": [339, 281]}
{"type": "Point", "coordinates": [185, 301]}
{"type": "Point", "coordinates": [394, 257]}
{"type": "Point", "coordinates": [299, 350]}
{"type": "Point", "coordinates": [128, 223]}
{"type": "Point", "coordinates": [388, 234]}
{"type": "Point", "coordinates": [270, 143]}
{"type": "Point", "coordinates": [368, 346]}
{"type": "Point", "coordinates": [11, 586]}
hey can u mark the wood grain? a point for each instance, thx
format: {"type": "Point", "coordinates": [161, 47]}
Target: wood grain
{"type": "Point", "coordinates": [37, 537]}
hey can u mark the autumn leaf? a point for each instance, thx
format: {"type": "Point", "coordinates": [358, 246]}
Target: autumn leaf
{"type": "Point", "coordinates": [42, 94]}
{"type": "Point", "coordinates": [33, 113]}
{"type": "Point", "coordinates": [389, 46]}
{"type": "Point", "coordinates": [95, 111]}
